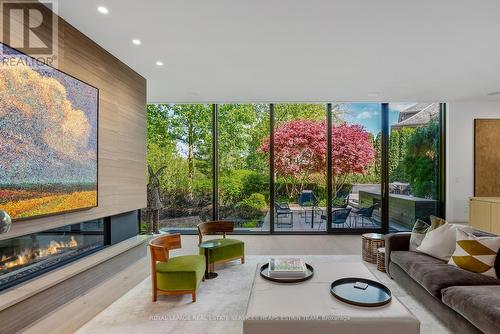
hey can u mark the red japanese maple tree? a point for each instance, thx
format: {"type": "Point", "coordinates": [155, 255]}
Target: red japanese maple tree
{"type": "Point", "coordinates": [300, 150]}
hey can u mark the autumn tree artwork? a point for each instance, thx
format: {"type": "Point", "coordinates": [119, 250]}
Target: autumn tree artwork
{"type": "Point", "coordinates": [48, 138]}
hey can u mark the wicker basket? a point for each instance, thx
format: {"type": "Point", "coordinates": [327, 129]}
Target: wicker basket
{"type": "Point", "coordinates": [381, 259]}
{"type": "Point", "coordinates": [370, 243]}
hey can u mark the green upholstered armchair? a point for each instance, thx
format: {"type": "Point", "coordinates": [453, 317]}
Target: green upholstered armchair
{"type": "Point", "coordinates": [174, 275]}
{"type": "Point", "coordinates": [229, 250]}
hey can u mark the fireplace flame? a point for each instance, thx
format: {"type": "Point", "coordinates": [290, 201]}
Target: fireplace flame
{"type": "Point", "coordinates": [28, 255]}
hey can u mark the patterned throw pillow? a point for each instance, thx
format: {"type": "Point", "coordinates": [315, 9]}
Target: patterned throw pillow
{"type": "Point", "coordinates": [476, 254]}
{"type": "Point", "coordinates": [436, 222]}
{"type": "Point", "coordinates": [417, 234]}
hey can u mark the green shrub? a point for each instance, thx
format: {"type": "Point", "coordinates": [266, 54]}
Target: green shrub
{"type": "Point", "coordinates": [421, 163]}
{"type": "Point", "coordinates": [255, 200]}
{"type": "Point", "coordinates": [255, 183]}
{"type": "Point", "coordinates": [251, 223]}
{"type": "Point", "coordinates": [231, 186]}
{"type": "Point", "coordinates": [202, 187]}
{"type": "Point", "coordinates": [238, 184]}
{"type": "Point", "coordinates": [251, 207]}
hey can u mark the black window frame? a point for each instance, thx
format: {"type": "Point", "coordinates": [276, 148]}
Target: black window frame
{"type": "Point", "coordinates": [384, 228]}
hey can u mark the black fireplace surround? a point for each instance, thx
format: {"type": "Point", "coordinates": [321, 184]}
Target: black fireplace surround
{"type": "Point", "coordinates": [25, 257]}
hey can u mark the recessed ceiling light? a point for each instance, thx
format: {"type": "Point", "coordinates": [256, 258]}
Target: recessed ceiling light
{"type": "Point", "coordinates": [102, 10]}
{"type": "Point", "coordinates": [373, 94]}
{"type": "Point", "coordinates": [494, 93]}
{"type": "Point", "coordinates": [159, 63]}
{"type": "Point", "coordinates": [136, 41]}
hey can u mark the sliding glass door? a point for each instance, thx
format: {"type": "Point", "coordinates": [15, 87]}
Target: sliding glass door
{"type": "Point", "coordinates": [356, 134]}
{"type": "Point", "coordinates": [414, 163]}
{"type": "Point", "coordinates": [298, 168]}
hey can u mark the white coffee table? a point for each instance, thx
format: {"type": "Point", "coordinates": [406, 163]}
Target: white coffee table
{"type": "Point", "coordinates": [309, 307]}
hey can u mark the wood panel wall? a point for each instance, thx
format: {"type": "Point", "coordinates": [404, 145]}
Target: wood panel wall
{"type": "Point", "coordinates": [122, 130]}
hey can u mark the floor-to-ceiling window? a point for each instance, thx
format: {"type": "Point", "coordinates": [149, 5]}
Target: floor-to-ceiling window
{"type": "Point", "coordinates": [356, 165]}
{"type": "Point", "coordinates": [300, 167]}
{"type": "Point", "coordinates": [275, 169]}
{"type": "Point", "coordinates": [243, 181]}
{"type": "Point", "coordinates": [179, 143]}
{"type": "Point", "coordinates": [414, 163]}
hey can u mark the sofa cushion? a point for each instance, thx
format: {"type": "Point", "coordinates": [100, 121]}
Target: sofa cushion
{"type": "Point", "coordinates": [407, 259]}
{"type": "Point", "coordinates": [435, 275]}
{"type": "Point", "coordinates": [180, 272]}
{"type": "Point", "coordinates": [478, 304]}
{"type": "Point", "coordinates": [228, 249]}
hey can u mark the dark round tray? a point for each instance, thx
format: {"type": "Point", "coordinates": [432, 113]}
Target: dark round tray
{"type": "Point", "coordinates": [264, 272]}
{"type": "Point", "coordinates": [376, 294]}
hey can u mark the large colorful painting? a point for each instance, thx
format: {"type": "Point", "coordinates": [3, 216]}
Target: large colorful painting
{"type": "Point", "coordinates": [48, 138]}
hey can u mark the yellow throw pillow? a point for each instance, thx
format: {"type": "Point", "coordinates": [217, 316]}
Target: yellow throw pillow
{"type": "Point", "coordinates": [476, 254]}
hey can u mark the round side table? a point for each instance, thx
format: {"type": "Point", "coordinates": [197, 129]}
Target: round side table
{"type": "Point", "coordinates": [208, 246]}
{"type": "Point", "coordinates": [370, 243]}
{"type": "Point", "coordinates": [381, 259]}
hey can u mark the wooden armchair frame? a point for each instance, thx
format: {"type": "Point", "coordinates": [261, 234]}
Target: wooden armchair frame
{"type": "Point", "coordinates": [160, 247]}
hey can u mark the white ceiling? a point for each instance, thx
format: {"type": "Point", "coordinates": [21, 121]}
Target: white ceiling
{"type": "Point", "coordinates": [298, 51]}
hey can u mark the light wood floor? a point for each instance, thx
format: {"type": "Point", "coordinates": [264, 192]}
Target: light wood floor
{"type": "Point", "coordinates": [75, 314]}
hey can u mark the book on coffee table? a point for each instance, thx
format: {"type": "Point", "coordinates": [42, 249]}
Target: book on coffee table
{"type": "Point", "coordinates": [287, 267]}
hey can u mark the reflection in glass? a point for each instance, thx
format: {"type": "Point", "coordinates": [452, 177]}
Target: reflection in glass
{"type": "Point", "coordinates": [413, 163]}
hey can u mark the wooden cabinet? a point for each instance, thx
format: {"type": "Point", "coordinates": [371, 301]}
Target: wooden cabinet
{"type": "Point", "coordinates": [484, 214]}
{"type": "Point", "coordinates": [495, 218]}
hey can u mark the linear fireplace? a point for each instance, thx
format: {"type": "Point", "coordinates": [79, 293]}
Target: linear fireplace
{"type": "Point", "coordinates": [25, 257]}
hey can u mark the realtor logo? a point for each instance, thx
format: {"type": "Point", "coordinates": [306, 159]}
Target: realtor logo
{"type": "Point", "coordinates": [30, 27]}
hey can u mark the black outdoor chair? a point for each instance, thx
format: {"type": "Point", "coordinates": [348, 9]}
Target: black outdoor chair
{"type": "Point", "coordinates": [366, 213]}
{"type": "Point", "coordinates": [283, 209]}
{"type": "Point", "coordinates": [339, 217]}
{"type": "Point", "coordinates": [341, 199]}
{"type": "Point", "coordinates": [307, 200]}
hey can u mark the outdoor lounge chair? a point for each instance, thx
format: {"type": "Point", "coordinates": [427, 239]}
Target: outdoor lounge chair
{"type": "Point", "coordinates": [307, 200]}
{"type": "Point", "coordinates": [283, 210]}
{"type": "Point", "coordinates": [366, 214]}
{"type": "Point", "coordinates": [339, 217]}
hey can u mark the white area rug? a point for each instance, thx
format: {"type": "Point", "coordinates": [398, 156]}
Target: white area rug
{"type": "Point", "coordinates": [221, 304]}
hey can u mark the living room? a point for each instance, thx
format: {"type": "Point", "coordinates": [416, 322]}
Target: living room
{"type": "Point", "coordinates": [222, 167]}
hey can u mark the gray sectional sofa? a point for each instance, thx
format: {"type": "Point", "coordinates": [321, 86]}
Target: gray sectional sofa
{"type": "Point", "coordinates": [467, 302]}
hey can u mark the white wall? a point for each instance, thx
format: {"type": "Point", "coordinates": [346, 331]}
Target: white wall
{"type": "Point", "coordinates": [460, 153]}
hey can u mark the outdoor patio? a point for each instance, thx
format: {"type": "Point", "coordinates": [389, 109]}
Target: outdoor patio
{"type": "Point", "coordinates": [314, 220]}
